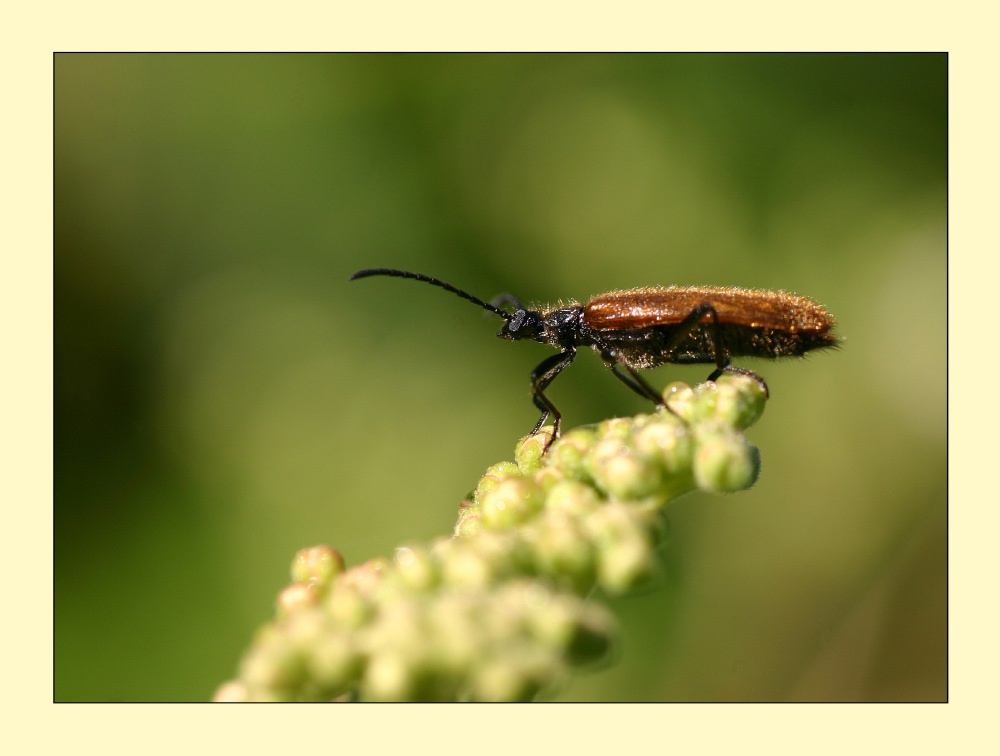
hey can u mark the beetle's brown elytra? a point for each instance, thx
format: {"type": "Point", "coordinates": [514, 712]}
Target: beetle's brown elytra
{"type": "Point", "coordinates": [642, 328]}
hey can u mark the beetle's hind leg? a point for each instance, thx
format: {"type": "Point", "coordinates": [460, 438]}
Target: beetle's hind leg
{"type": "Point", "coordinates": [694, 320]}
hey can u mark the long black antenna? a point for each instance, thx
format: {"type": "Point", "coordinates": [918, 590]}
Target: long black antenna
{"type": "Point", "coordinates": [435, 282]}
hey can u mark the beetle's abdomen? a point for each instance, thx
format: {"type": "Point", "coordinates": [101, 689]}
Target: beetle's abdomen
{"type": "Point", "coordinates": [640, 324]}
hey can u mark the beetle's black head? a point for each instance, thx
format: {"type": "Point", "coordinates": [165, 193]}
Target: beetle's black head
{"type": "Point", "coordinates": [523, 324]}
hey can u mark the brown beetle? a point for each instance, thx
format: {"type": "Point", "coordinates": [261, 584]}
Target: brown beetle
{"type": "Point", "coordinates": [643, 328]}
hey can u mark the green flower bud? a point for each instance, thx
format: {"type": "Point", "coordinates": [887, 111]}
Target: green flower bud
{"type": "Point", "coordinates": [679, 396]}
{"type": "Point", "coordinates": [317, 565]}
{"type": "Point", "coordinates": [493, 477]}
{"type": "Point", "coordinates": [573, 498]}
{"type": "Point", "coordinates": [668, 440]}
{"type": "Point", "coordinates": [304, 628]}
{"type": "Point", "coordinates": [335, 662]}
{"type": "Point", "coordinates": [295, 597]}
{"type": "Point", "coordinates": [625, 564]}
{"type": "Point", "coordinates": [618, 521]}
{"type": "Point", "coordinates": [569, 453]}
{"type": "Point", "coordinates": [555, 621]}
{"type": "Point", "coordinates": [512, 677]}
{"type": "Point", "coordinates": [529, 450]}
{"type": "Point", "coordinates": [477, 562]}
{"type": "Point", "coordinates": [389, 677]}
{"type": "Point", "coordinates": [623, 536]}
{"type": "Point", "coordinates": [739, 400]}
{"type": "Point", "coordinates": [273, 668]}
{"type": "Point", "coordinates": [734, 400]}
{"type": "Point", "coordinates": [548, 477]}
{"type": "Point", "coordinates": [365, 577]}
{"type": "Point", "coordinates": [347, 607]}
{"type": "Point", "coordinates": [398, 624]}
{"type": "Point", "coordinates": [470, 521]}
{"type": "Point", "coordinates": [512, 502]}
{"type": "Point", "coordinates": [416, 568]}
{"type": "Point", "coordinates": [454, 621]}
{"type": "Point", "coordinates": [562, 552]}
{"type": "Point", "coordinates": [619, 427]}
{"type": "Point", "coordinates": [617, 470]}
{"type": "Point", "coordinates": [724, 461]}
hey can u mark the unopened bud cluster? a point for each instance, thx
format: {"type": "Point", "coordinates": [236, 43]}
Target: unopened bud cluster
{"type": "Point", "coordinates": [497, 612]}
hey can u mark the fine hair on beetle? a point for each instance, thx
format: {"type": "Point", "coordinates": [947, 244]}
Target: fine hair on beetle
{"type": "Point", "coordinates": [643, 328]}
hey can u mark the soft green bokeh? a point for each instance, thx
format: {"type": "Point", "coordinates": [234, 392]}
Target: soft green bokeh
{"type": "Point", "coordinates": [224, 396]}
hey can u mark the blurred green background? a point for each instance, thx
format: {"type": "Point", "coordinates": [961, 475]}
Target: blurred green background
{"type": "Point", "coordinates": [223, 397]}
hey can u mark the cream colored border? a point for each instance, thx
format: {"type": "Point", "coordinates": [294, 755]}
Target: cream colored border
{"type": "Point", "coordinates": [965, 29]}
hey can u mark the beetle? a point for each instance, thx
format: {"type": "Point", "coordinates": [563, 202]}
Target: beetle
{"type": "Point", "coordinates": [643, 328]}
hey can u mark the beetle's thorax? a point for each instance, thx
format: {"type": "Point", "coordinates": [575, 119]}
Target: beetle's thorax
{"type": "Point", "coordinates": [559, 327]}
